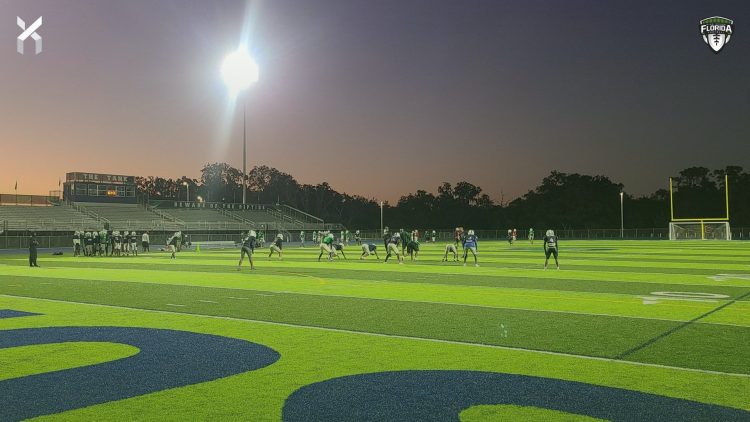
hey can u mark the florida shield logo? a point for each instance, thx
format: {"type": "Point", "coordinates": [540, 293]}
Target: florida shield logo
{"type": "Point", "coordinates": [716, 32]}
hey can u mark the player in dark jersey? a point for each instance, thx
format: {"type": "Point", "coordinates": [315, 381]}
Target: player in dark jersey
{"type": "Point", "coordinates": [339, 249]}
{"type": "Point", "coordinates": [412, 248]}
{"type": "Point", "coordinates": [88, 242]}
{"type": "Point", "coordinates": [405, 239]}
{"type": "Point", "coordinates": [95, 243]}
{"type": "Point", "coordinates": [247, 248]}
{"type": "Point", "coordinates": [386, 237]}
{"type": "Point", "coordinates": [368, 250]}
{"type": "Point", "coordinates": [33, 253]}
{"type": "Point", "coordinates": [277, 245]}
{"type": "Point", "coordinates": [458, 236]}
{"type": "Point", "coordinates": [117, 243]}
{"type": "Point", "coordinates": [551, 245]}
{"type": "Point", "coordinates": [110, 242]}
{"type": "Point", "coordinates": [470, 245]}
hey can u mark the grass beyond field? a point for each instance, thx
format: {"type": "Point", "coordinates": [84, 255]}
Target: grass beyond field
{"type": "Point", "coordinates": [621, 332]}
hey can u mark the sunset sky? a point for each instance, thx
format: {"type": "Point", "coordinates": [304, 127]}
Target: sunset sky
{"type": "Point", "coordinates": [376, 97]}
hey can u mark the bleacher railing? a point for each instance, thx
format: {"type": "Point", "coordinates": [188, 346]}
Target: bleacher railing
{"type": "Point", "coordinates": [300, 215]}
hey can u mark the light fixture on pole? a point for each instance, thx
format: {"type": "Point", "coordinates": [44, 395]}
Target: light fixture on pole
{"type": "Point", "coordinates": [622, 218]}
{"type": "Point", "coordinates": [240, 71]}
{"type": "Point", "coordinates": [187, 189]}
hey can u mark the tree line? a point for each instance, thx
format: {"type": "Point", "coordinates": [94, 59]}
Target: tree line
{"type": "Point", "coordinates": [562, 200]}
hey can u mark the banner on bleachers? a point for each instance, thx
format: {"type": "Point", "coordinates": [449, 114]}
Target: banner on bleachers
{"type": "Point", "coordinates": [218, 205]}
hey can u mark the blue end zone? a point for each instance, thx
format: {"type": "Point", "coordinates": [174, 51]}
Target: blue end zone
{"type": "Point", "coordinates": [442, 395]}
{"type": "Point", "coordinates": [9, 313]}
{"type": "Point", "coordinates": [167, 359]}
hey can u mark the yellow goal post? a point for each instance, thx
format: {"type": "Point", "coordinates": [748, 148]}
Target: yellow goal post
{"type": "Point", "coordinates": [700, 228]}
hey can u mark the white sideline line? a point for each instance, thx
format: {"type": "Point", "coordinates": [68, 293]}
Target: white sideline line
{"type": "Point", "coordinates": [168, 304]}
{"type": "Point", "coordinates": [365, 333]}
{"type": "Point", "coordinates": [238, 298]}
{"type": "Point", "coordinates": [207, 301]}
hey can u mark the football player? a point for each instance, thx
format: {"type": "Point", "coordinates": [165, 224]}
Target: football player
{"type": "Point", "coordinates": [247, 248]}
{"type": "Point", "coordinates": [277, 245]}
{"type": "Point", "coordinates": [551, 243]}
{"type": "Point", "coordinates": [369, 249]}
{"type": "Point", "coordinates": [470, 245]}
{"type": "Point", "coordinates": [450, 248]}
{"type": "Point", "coordinates": [393, 248]}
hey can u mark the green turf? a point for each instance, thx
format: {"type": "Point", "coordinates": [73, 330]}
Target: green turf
{"type": "Point", "coordinates": [600, 305]}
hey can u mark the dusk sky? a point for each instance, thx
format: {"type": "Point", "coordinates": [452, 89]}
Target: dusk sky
{"type": "Point", "coordinates": [378, 97]}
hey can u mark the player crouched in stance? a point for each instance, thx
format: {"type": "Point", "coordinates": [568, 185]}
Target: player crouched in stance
{"type": "Point", "coordinates": [247, 248]}
{"type": "Point", "coordinates": [369, 249]}
{"type": "Point", "coordinates": [551, 244]}
{"type": "Point", "coordinates": [326, 245]}
{"type": "Point", "coordinates": [277, 245]}
{"type": "Point", "coordinates": [172, 245]}
{"type": "Point", "coordinates": [338, 248]}
{"type": "Point", "coordinates": [393, 248]}
{"type": "Point", "coordinates": [450, 248]}
{"type": "Point", "coordinates": [470, 245]}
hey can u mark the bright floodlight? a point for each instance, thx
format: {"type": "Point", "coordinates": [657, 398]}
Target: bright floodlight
{"type": "Point", "coordinates": [239, 70]}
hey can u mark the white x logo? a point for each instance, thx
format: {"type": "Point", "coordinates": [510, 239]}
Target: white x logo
{"type": "Point", "coordinates": [30, 31]}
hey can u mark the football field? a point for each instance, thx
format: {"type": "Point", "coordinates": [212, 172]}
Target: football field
{"type": "Point", "coordinates": [626, 330]}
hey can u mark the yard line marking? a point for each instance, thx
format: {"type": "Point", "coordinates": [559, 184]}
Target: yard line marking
{"type": "Point", "coordinates": [174, 304]}
{"type": "Point", "coordinates": [262, 294]}
{"type": "Point", "coordinates": [677, 328]}
{"type": "Point", "coordinates": [636, 297]}
{"type": "Point", "coordinates": [207, 301]}
{"type": "Point", "coordinates": [340, 330]}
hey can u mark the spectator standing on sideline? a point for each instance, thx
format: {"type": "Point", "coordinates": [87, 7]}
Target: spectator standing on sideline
{"type": "Point", "coordinates": [145, 242]}
{"type": "Point", "coordinates": [33, 245]}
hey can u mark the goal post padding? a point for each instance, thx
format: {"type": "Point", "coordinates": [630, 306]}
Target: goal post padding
{"type": "Point", "coordinates": [699, 230]}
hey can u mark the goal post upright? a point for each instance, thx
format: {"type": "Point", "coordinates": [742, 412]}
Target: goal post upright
{"type": "Point", "coordinates": [677, 224]}
{"type": "Point", "coordinates": [671, 201]}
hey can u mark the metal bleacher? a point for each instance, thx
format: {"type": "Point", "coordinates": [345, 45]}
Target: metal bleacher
{"type": "Point", "coordinates": [206, 219]}
{"type": "Point", "coordinates": [156, 217]}
{"type": "Point", "coordinates": [46, 218]}
{"type": "Point", "coordinates": [129, 217]}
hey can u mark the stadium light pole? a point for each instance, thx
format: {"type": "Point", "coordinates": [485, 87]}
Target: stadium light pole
{"type": "Point", "coordinates": [622, 218]}
{"type": "Point", "coordinates": [240, 71]}
{"type": "Point", "coordinates": [381, 218]}
{"type": "Point", "coordinates": [187, 189]}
